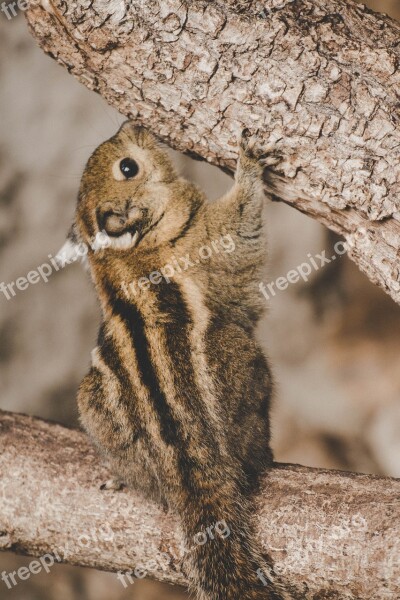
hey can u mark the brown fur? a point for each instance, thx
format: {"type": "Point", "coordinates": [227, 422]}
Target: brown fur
{"type": "Point", "coordinates": [178, 395]}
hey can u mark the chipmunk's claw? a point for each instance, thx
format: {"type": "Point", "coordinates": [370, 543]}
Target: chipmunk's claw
{"type": "Point", "coordinates": [248, 142]}
{"type": "Point", "coordinates": [270, 160]}
{"type": "Point", "coordinates": [267, 155]}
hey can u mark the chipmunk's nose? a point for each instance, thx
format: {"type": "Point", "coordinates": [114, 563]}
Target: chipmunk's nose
{"type": "Point", "coordinates": [117, 222]}
{"type": "Point", "coordinates": [114, 223]}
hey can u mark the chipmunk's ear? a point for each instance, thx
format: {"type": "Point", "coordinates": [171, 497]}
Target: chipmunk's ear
{"type": "Point", "coordinates": [138, 135]}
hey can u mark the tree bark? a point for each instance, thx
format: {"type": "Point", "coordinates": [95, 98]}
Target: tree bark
{"type": "Point", "coordinates": [331, 534]}
{"type": "Point", "coordinates": [319, 78]}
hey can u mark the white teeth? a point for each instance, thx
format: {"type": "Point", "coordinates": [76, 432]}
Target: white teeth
{"type": "Point", "coordinates": [135, 238]}
{"type": "Point", "coordinates": [125, 241]}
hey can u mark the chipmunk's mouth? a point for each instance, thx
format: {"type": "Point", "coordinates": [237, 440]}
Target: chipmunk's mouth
{"type": "Point", "coordinates": [124, 241]}
{"type": "Point", "coordinates": [123, 228]}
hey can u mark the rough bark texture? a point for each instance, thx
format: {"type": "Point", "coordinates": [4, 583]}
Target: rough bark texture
{"type": "Point", "coordinates": [331, 534]}
{"type": "Point", "coordinates": [319, 78]}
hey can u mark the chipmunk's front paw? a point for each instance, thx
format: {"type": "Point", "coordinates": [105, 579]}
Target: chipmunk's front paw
{"type": "Point", "coordinates": [113, 484]}
{"type": "Point", "coordinates": [248, 144]}
{"type": "Point", "coordinates": [251, 150]}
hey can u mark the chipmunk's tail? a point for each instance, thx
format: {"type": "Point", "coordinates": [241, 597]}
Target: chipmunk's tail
{"type": "Point", "coordinates": [223, 559]}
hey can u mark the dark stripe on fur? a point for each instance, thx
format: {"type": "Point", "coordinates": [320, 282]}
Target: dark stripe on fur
{"type": "Point", "coordinates": [185, 228]}
{"type": "Point", "coordinates": [97, 405]}
{"type": "Point", "coordinates": [177, 330]}
{"type": "Point", "coordinates": [201, 437]}
{"type": "Point", "coordinates": [176, 324]}
{"type": "Point", "coordinates": [110, 356]}
{"type": "Point", "coordinates": [135, 325]}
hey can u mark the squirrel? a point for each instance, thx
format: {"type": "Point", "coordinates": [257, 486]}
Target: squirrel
{"type": "Point", "coordinates": [177, 398]}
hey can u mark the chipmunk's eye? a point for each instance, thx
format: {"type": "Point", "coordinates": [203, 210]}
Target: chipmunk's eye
{"type": "Point", "coordinates": [129, 168]}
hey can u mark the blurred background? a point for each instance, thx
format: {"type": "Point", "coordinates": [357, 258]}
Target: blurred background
{"type": "Point", "coordinates": [334, 342]}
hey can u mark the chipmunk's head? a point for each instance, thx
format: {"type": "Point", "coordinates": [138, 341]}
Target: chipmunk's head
{"type": "Point", "coordinates": [128, 190]}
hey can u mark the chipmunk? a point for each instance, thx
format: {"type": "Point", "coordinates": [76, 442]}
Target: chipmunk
{"type": "Point", "coordinates": [178, 394]}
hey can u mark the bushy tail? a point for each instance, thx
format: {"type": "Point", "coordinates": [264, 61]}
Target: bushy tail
{"type": "Point", "coordinates": [223, 560]}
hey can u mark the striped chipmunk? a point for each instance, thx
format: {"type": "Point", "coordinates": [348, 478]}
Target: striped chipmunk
{"type": "Point", "coordinates": [177, 397]}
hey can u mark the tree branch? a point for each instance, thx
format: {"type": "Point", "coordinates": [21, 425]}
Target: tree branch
{"type": "Point", "coordinates": [318, 77]}
{"type": "Point", "coordinates": [332, 534]}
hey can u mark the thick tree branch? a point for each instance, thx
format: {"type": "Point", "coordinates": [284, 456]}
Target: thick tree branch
{"type": "Point", "coordinates": [332, 534]}
{"type": "Point", "coordinates": [319, 77]}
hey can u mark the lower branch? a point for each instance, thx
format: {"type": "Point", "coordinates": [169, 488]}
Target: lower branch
{"type": "Point", "coordinates": [330, 534]}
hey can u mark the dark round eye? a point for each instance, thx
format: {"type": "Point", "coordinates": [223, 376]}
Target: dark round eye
{"type": "Point", "coordinates": [129, 167]}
